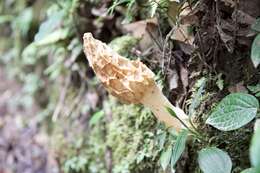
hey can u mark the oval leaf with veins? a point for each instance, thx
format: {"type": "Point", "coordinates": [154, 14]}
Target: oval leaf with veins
{"type": "Point", "coordinates": [255, 51]}
{"type": "Point", "coordinates": [234, 111]}
{"type": "Point", "coordinates": [214, 160]}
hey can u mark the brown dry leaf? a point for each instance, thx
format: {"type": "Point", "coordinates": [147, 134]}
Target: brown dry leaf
{"type": "Point", "coordinates": [243, 17]}
{"type": "Point", "coordinates": [239, 87]}
{"type": "Point", "coordinates": [188, 15]}
{"type": "Point", "coordinates": [227, 39]}
{"type": "Point", "coordinates": [186, 48]}
{"type": "Point", "coordinates": [184, 12]}
{"type": "Point", "coordinates": [231, 3]}
{"type": "Point", "coordinates": [184, 77]}
{"type": "Point", "coordinates": [141, 29]}
{"type": "Point", "coordinates": [246, 32]}
{"type": "Point", "coordinates": [250, 7]}
{"type": "Point", "coordinates": [173, 79]}
{"type": "Point", "coordinates": [182, 34]}
{"type": "Point", "coordinates": [173, 12]}
{"type": "Point", "coordinates": [227, 25]}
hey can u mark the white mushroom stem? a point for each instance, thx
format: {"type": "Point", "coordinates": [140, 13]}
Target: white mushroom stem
{"type": "Point", "coordinates": [157, 102]}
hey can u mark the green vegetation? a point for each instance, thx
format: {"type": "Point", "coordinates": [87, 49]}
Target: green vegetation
{"type": "Point", "coordinates": [255, 54]}
{"type": "Point", "coordinates": [89, 130]}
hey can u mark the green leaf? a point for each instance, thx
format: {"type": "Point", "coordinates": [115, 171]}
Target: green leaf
{"type": "Point", "coordinates": [256, 25]}
{"type": "Point", "coordinates": [195, 102]}
{"type": "Point", "coordinates": [255, 150]}
{"type": "Point", "coordinates": [179, 147]}
{"type": "Point", "coordinates": [153, 7]}
{"type": "Point", "coordinates": [249, 170]}
{"type": "Point", "coordinates": [29, 54]}
{"type": "Point", "coordinates": [171, 112]}
{"type": "Point", "coordinates": [166, 157]}
{"type": "Point", "coordinates": [55, 69]}
{"type": "Point", "coordinates": [53, 37]}
{"type": "Point", "coordinates": [234, 111]}
{"type": "Point", "coordinates": [255, 51]}
{"type": "Point", "coordinates": [161, 138]}
{"type": "Point", "coordinates": [50, 25]}
{"type": "Point", "coordinates": [96, 117]}
{"type": "Point", "coordinates": [255, 89]}
{"type": "Point", "coordinates": [6, 18]}
{"type": "Point", "coordinates": [24, 20]}
{"type": "Point", "coordinates": [220, 82]}
{"type": "Point", "coordinates": [214, 160]}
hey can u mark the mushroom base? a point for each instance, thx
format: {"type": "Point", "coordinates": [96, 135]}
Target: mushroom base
{"type": "Point", "coordinates": [157, 102]}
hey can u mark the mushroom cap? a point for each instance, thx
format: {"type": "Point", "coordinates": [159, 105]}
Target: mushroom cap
{"type": "Point", "coordinates": [127, 80]}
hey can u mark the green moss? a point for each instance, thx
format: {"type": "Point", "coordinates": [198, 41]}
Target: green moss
{"type": "Point", "coordinates": [130, 136]}
{"type": "Point", "coordinates": [124, 44]}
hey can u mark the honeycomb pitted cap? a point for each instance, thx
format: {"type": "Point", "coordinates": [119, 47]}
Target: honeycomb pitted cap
{"type": "Point", "coordinates": [127, 80]}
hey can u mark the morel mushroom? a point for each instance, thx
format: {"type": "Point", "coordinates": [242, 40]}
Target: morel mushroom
{"type": "Point", "coordinates": [130, 81]}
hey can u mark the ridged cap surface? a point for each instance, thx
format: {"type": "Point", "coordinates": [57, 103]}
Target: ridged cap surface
{"type": "Point", "coordinates": [125, 79]}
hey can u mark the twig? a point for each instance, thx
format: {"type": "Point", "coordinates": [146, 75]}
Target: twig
{"type": "Point", "coordinates": [236, 24]}
{"type": "Point", "coordinates": [77, 100]}
{"type": "Point", "coordinates": [61, 99]}
{"type": "Point", "coordinates": [155, 40]}
{"type": "Point", "coordinates": [201, 47]}
{"type": "Point", "coordinates": [165, 46]}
